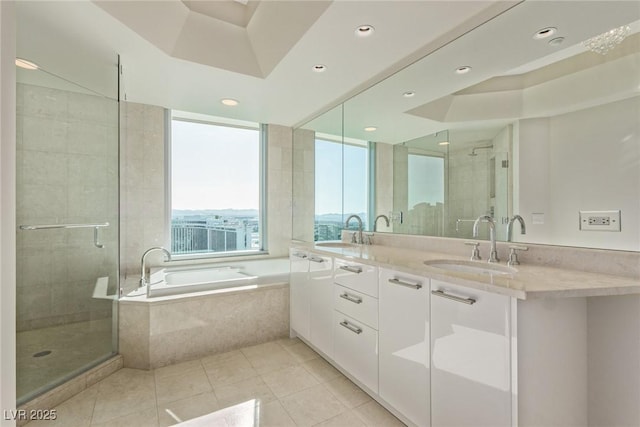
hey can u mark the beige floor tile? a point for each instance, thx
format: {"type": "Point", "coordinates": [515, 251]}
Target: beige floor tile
{"type": "Point", "coordinates": [270, 414]}
{"type": "Point", "coordinates": [75, 412]}
{"type": "Point", "coordinates": [181, 386]}
{"type": "Point", "coordinates": [374, 415]}
{"type": "Point", "coordinates": [289, 380]}
{"type": "Point", "coordinates": [268, 357]}
{"type": "Point", "coordinates": [322, 370]}
{"type": "Point", "coordinates": [243, 391]}
{"type": "Point", "coordinates": [230, 371]}
{"type": "Point", "coordinates": [285, 342]}
{"type": "Point", "coordinates": [346, 419]}
{"type": "Point", "coordinates": [216, 359]}
{"type": "Point", "coordinates": [312, 406]}
{"type": "Point", "coordinates": [125, 392]}
{"type": "Point", "coordinates": [186, 409]}
{"type": "Point", "coordinates": [179, 368]}
{"type": "Point", "coordinates": [349, 394]}
{"type": "Point", "coordinates": [143, 418]}
{"type": "Point", "coordinates": [301, 352]}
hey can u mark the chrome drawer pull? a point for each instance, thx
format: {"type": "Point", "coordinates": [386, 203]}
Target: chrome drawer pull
{"type": "Point", "coordinates": [316, 259]}
{"type": "Point", "coordinates": [299, 255]}
{"type": "Point", "coordinates": [442, 294]}
{"type": "Point", "coordinates": [351, 269]}
{"type": "Point", "coordinates": [350, 327]}
{"type": "Point", "coordinates": [351, 298]}
{"type": "Point", "coordinates": [415, 286]}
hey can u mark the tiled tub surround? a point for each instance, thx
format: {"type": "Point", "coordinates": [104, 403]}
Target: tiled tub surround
{"type": "Point", "coordinates": [169, 329]}
{"type": "Point", "coordinates": [572, 331]}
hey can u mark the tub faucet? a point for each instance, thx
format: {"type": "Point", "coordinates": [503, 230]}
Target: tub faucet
{"type": "Point", "coordinates": [346, 225]}
{"type": "Point", "coordinates": [493, 255]}
{"type": "Point", "coordinates": [143, 267]}
{"type": "Point", "coordinates": [523, 228]}
{"type": "Point", "coordinates": [375, 223]}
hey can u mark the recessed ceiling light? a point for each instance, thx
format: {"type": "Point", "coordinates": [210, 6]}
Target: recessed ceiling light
{"type": "Point", "coordinates": [544, 33]}
{"type": "Point", "coordinates": [27, 65]}
{"type": "Point", "coordinates": [229, 102]}
{"type": "Point", "coordinates": [370, 128]}
{"type": "Point", "coordinates": [443, 143]}
{"type": "Point", "coordinates": [557, 41]}
{"type": "Point", "coordinates": [408, 94]}
{"type": "Point", "coordinates": [319, 68]}
{"type": "Point", "coordinates": [365, 30]}
{"type": "Point", "coordinates": [463, 69]}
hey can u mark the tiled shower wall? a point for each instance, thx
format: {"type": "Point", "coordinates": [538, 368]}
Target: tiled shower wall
{"type": "Point", "coordinates": [67, 172]}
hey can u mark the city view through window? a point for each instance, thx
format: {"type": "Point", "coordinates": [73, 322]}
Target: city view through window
{"type": "Point", "coordinates": [339, 191]}
{"type": "Point", "coordinates": [215, 188]}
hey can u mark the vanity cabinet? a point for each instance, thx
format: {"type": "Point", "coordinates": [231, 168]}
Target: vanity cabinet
{"type": "Point", "coordinates": [404, 344]}
{"type": "Point", "coordinates": [320, 282]}
{"type": "Point", "coordinates": [299, 293]}
{"type": "Point", "coordinates": [355, 321]}
{"type": "Point", "coordinates": [470, 357]}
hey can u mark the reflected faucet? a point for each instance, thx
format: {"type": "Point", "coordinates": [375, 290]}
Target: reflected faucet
{"type": "Point", "coordinates": [346, 225]}
{"type": "Point", "coordinates": [143, 267]}
{"type": "Point", "coordinates": [493, 255]}
{"type": "Point", "coordinates": [375, 223]}
{"type": "Point", "coordinates": [523, 228]}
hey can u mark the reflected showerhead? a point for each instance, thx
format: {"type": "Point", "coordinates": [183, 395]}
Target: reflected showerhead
{"type": "Point", "coordinates": [472, 154]}
{"type": "Point", "coordinates": [473, 150]}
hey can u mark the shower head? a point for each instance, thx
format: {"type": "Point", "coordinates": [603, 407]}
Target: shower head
{"type": "Point", "coordinates": [472, 153]}
{"type": "Point", "coordinates": [473, 150]}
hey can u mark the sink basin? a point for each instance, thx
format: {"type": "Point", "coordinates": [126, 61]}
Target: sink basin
{"type": "Point", "coordinates": [336, 245]}
{"type": "Point", "coordinates": [475, 267]}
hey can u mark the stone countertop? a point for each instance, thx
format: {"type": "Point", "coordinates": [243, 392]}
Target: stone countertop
{"type": "Point", "coordinates": [529, 282]}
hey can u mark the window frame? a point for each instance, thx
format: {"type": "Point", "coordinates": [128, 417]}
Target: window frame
{"type": "Point", "coordinates": [170, 116]}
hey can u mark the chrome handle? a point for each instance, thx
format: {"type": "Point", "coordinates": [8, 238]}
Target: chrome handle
{"type": "Point", "coordinates": [51, 226]}
{"type": "Point", "coordinates": [351, 269]}
{"type": "Point", "coordinates": [351, 298]}
{"type": "Point", "coordinates": [519, 247]}
{"type": "Point", "coordinates": [299, 255]}
{"type": "Point", "coordinates": [415, 286]}
{"type": "Point", "coordinates": [472, 243]}
{"type": "Point", "coordinates": [351, 327]}
{"type": "Point", "coordinates": [469, 301]}
{"type": "Point", "coordinates": [316, 259]}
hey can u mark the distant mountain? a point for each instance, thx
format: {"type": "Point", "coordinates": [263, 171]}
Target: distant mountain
{"type": "Point", "coordinates": [336, 217]}
{"type": "Point", "coordinates": [214, 212]}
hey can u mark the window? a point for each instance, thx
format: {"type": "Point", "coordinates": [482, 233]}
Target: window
{"type": "Point", "coordinates": [216, 178]}
{"type": "Point", "coordinates": [341, 187]}
{"type": "Point", "coordinates": [426, 180]}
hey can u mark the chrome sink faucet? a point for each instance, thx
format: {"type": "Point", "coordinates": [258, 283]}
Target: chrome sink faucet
{"type": "Point", "coordinates": [346, 225]}
{"type": "Point", "coordinates": [493, 254]}
{"type": "Point", "coordinates": [143, 267]}
{"type": "Point", "coordinates": [523, 228]}
{"type": "Point", "coordinates": [375, 223]}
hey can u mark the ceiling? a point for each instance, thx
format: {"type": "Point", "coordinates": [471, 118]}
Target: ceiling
{"type": "Point", "coordinates": [188, 55]}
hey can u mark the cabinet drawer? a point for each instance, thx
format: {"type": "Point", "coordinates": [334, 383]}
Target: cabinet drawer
{"type": "Point", "coordinates": [355, 304]}
{"type": "Point", "coordinates": [356, 349]}
{"type": "Point", "coordinates": [360, 277]}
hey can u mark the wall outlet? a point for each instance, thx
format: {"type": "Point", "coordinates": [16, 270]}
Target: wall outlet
{"type": "Point", "coordinates": [396, 217]}
{"type": "Point", "coordinates": [600, 220]}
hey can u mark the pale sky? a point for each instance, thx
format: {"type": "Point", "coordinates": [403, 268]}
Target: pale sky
{"type": "Point", "coordinates": [214, 167]}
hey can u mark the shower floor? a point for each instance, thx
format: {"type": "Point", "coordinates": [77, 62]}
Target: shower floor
{"type": "Point", "coordinates": [72, 347]}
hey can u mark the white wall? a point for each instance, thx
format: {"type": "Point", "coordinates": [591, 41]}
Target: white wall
{"type": "Point", "coordinates": [584, 160]}
{"type": "Point", "coordinates": [7, 209]}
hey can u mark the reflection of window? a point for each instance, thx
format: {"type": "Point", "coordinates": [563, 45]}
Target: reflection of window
{"type": "Point", "coordinates": [215, 188]}
{"type": "Point", "coordinates": [339, 191]}
{"type": "Point", "coordinates": [426, 179]}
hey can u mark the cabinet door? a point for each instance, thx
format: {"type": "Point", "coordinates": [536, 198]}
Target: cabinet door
{"type": "Point", "coordinates": [470, 358]}
{"type": "Point", "coordinates": [404, 344]}
{"type": "Point", "coordinates": [299, 292]}
{"type": "Point", "coordinates": [321, 304]}
{"type": "Point", "coordinates": [355, 348]}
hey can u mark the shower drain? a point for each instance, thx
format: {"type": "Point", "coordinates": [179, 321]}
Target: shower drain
{"type": "Point", "coordinates": [42, 353]}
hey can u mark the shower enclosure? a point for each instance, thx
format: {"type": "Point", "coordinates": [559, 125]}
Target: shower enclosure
{"type": "Point", "coordinates": [68, 225]}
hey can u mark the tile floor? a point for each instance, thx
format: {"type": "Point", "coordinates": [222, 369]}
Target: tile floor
{"type": "Point", "coordinates": [280, 383]}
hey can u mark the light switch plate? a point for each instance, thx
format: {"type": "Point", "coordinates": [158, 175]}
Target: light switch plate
{"type": "Point", "coordinates": [600, 220]}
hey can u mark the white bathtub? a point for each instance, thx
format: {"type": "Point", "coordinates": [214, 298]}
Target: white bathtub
{"type": "Point", "coordinates": [209, 277]}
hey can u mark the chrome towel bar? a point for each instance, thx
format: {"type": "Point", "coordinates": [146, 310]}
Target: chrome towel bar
{"type": "Point", "coordinates": [96, 227]}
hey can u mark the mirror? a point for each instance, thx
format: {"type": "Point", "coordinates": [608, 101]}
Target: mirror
{"type": "Point", "coordinates": [548, 131]}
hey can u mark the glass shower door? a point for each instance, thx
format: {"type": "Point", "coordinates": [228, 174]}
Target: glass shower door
{"type": "Point", "coordinates": [67, 239]}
